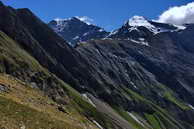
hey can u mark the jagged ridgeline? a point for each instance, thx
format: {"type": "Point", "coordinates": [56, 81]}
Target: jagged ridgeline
{"type": "Point", "coordinates": [75, 30]}
{"type": "Point", "coordinates": [142, 79]}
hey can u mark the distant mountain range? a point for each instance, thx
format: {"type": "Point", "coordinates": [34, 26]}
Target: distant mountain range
{"type": "Point", "coordinates": [138, 28]}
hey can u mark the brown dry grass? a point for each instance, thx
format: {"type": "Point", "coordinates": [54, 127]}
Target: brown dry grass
{"type": "Point", "coordinates": [34, 102]}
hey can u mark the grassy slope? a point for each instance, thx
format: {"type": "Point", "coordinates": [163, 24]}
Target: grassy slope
{"type": "Point", "coordinates": [159, 119]}
{"type": "Point", "coordinates": [85, 108]}
{"type": "Point", "coordinates": [29, 107]}
{"type": "Point", "coordinates": [14, 56]}
{"type": "Point", "coordinates": [13, 59]}
{"type": "Point", "coordinates": [14, 115]}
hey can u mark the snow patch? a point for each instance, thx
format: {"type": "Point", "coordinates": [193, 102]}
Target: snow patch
{"type": "Point", "coordinates": [97, 124]}
{"type": "Point", "coordinates": [107, 38]}
{"type": "Point", "coordinates": [133, 85]}
{"type": "Point", "coordinates": [60, 24]}
{"type": "Point", "coordinates": [132, 29]}
{"type": "Point", "coordinates": [101, 30]}
{"type": "Point", "coordinates": [113, 33]}
{"type": "Point", "coordinates": [191, 106]}
{"type": "Point", "coordinates": [61, 21]}
{"type": "Point", "coordinates": [76, 37]}
{"type": "Point", "coordinates": [140, 41]}
{"type": "Point", "coordinates": [135, 118]}
{"type": "Point", "coordinates": [85, 33]}
{"type": "Point", "coordinates": [139, 21]}
{"type": "Point", "coordinates": [179, 27]}
{"type": "Point", "coordinates": [88, 99]}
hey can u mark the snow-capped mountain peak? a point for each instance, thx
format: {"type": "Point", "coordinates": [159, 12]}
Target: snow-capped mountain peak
{"type": "Point", "coordinates": [59, 24]}
{"type": "Point", "coordinates": [77, 29]}
{"type": "Point", "coordinates": [83, 19]}
{"type": "Point", "coordinates": [139, 21]}
{"type": "Point", "coordinates": [59, 21]}
{"type": "Point", "coordinates": [139, 27]}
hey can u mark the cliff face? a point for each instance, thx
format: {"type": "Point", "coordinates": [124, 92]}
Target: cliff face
{"type": "Point", "coordinates": [160, 65]}
{"type": "Point", "coordinates": [126, 81]}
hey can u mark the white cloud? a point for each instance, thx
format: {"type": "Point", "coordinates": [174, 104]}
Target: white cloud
{"type": "Point", "coordinates": [178, 15]}
{"type": "Point", "coordinates": [85, 19]}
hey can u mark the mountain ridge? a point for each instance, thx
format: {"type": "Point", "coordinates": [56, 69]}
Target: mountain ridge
{"type": "Point", "coordinates": [74, 30]}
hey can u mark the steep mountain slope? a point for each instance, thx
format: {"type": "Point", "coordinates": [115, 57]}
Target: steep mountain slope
{"type": "Point", "coordinates": [74, 30]}
{"type": "Point", "coordinates": [124, 84]}
{"type": "Point", "coordinates": [25, 73]}
{"type": "Point", "coordinates": [146, 75]}
{"type": "Point", "coordinates": [41, 42]}
{"type": "Point", "coordinates": [160, 69]}
{"type": "Point", "coordinates": [17, 61]}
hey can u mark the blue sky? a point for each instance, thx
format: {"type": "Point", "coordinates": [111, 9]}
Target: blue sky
{"type": "Point", "coordinates": [109, 14]}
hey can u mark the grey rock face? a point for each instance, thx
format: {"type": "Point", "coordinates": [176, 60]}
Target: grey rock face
{"type": "Point", "coordinates": [3, 88]}
{"type": "Point", "coordinates": [74, 30]}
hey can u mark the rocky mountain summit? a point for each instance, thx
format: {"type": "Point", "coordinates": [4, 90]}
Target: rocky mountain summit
{"type": "Point", "coordinates": [75, 30]}
{"type": "Point", "coordinates": [140, 29]}
{"type": "Point", "coordinates": [137, 77]}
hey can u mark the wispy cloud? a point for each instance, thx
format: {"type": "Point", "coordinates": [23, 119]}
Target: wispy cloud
{"type": "Point", "coordinates": [178, 15]}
